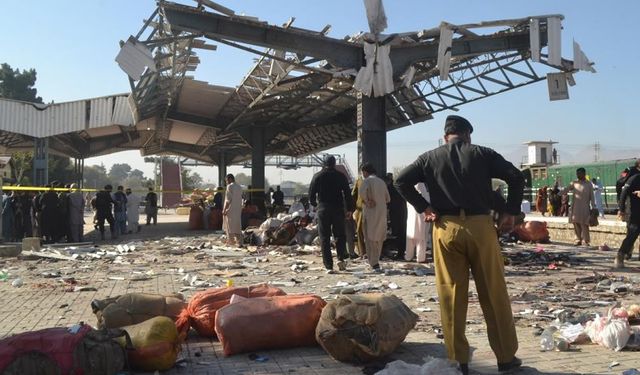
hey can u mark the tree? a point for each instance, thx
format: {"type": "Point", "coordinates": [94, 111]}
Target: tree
{"type": "Point", "coordinates": [95, 176]}
{"type": "Point", "coordinates": [61, 170]}
{"type": "Point", "coordinates": [119, 172]}
{"type": "Point", "coordinates": [136, 173]}
{"type": "Point", "coordinates": [18, 85]}
{"type": "Point", "coordinates": [190, 180]}
{"type": "Point", "coordinates": [21, 162]}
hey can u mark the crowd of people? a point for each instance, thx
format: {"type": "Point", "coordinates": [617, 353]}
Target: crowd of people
{"type": "Point", "coordinates": [555, 201]}
{"type": "Point", "coordinates": [585, 205]}
{"type": "Point", "coordinates": [57, 214]}
{"type": "Point", "coordinates": [121, 210]}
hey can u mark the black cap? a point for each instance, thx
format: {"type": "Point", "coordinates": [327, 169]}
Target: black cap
{"type": "Point", "coordinates": [330, 161]}
{"type": "Point", "coordinates": [456, 125]}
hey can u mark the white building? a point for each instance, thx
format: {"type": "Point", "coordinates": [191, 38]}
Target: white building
{"type": "Point", "coordinates": [540, 153]}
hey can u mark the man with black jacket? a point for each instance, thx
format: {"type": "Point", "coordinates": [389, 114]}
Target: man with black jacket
{"type": "Point", "coordinates": [631, 190]}
{"type": "Point", "coordinates": [329, 191]}
{"type": "Point", "coordinates": [104, 204]}
{"type": "Point", "coordinates": [458, 177]}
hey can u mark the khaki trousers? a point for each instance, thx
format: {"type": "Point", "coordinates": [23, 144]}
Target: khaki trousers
{"type": "Point", "coordinates": [359, 218]}
{"type": "Point", "coordinates": [582, 232]}
{"type": "Point", "coordinates": [461, 243]}
{"type": "Point", "coordinates": [374, 249]}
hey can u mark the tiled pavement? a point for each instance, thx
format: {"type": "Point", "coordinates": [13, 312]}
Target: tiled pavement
{"type": "Point", "coordinates": [45, 304]}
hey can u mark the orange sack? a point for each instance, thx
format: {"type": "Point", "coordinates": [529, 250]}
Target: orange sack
{"type": "Point", "coordinates": [200, 313]}
{"type": "Point", "coordinates": [269, 323]}
{"type": "Point", "coordinates": [196, 221]}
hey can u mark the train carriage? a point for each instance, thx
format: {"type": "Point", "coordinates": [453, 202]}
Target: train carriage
{"type": "Point", "coordinates": [607, 173]}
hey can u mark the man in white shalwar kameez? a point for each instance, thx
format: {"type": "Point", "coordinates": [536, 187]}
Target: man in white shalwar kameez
{"type": "Point", "coordinates": [232, 212]}
{"type": "Point", "coordinates": [418, 231]}
{"type": "Point", "coordinates": [133, 211]}
{"type": "Point", "coordinates": [375, 195]}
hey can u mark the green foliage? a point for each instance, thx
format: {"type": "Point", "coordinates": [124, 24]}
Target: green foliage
{"type": "Point", "coordinates": [21, 162]}
{"type": "Point", "coordinates": [61, 169]}
{"type": "Point", "coordinates": [18, 85]}
{"type": "Point", "coordinates": [119, 172]}
{"type": "Point", "coordinates": [95, 176]}
{"type": "Point", "coordinates": [191, 180]}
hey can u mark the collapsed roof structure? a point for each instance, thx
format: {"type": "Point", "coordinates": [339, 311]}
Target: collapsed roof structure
{"type": "Point", "coordinates": [304, 94]}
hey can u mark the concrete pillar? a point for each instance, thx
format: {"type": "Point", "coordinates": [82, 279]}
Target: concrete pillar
{"type": "Point", "coordinates": [78, 170]}
{"type": "Point", "coordinates": [222, 168]}
{"type": "Point", "coordinates": [372, 133]}
{"type": "Point", "coordinates": [41, 162]}
{"type": "Point", "coordinates": [257, 168]}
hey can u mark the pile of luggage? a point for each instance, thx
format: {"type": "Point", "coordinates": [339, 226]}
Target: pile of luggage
{"type": "Point", "coordinates": [145, 331]}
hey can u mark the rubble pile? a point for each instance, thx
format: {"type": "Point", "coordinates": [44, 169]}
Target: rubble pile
{"type": "Point", "coordinates": [571, 301]}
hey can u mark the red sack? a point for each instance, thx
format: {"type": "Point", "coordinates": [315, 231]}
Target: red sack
{"type": "Point", "coordinates": [215, 219]}
{"type": "Point", "coordinates": [533, 231]}
{"type": "Point", "coordinates": [269, 323]}
{"type": "Point", "coordinates": [201, 310]}
{"type": "Point", "coordinates": [196, 221]}
{"type": "Point", "coordinates": [60, 351]}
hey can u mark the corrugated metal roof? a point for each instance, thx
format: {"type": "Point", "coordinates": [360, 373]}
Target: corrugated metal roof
{"type": "Point", "coordinates": [38, 120]}
{"type": "Point", "coordinates": [134, 57]}
{"type": "Point", "coordinates": [122, 112]}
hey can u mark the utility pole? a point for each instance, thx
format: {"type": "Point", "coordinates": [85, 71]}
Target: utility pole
{"type": "Point", "coordinates": [596, 151]}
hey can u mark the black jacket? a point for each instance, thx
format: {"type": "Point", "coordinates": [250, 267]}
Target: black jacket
{"type": "Point", "coordinates": [632, 184]}
{"type": "Point", "coordinates": [330, 188]}
{"type": "Point", "coordinates": [458, 176]}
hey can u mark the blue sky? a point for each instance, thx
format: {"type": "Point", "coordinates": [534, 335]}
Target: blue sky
{"type": "Point", "coordinates": [72, 45]}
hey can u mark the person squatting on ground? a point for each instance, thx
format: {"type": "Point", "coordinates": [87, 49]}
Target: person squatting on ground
{"type": "Point", "coordinates": [630, 190]}
{"type": "Point", "coordinates": [458, 177]}
{"type": "Point", "coordinates": [151, 206]}
{"type": "Point", "coordinates": [582, 203]}
{"type": "Point", "coordinates": [104, 204]}
{"type": "Point", "coordinates": [329, 192]}
{"type": "Point", "coordinates": [375, 195]}
{"type": "Point", "coordinates": [232, 212]}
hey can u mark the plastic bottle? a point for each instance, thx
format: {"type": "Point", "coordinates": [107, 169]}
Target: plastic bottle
{"type": "Point", "coordinates": [547, 340]}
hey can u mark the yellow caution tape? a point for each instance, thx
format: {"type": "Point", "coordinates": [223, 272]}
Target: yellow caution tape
{"type": "Point", "coordinates": [86, 190]}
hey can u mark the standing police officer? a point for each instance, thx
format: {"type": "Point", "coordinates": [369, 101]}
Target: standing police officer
{"type": "Point", "coordinates": [458, 177]}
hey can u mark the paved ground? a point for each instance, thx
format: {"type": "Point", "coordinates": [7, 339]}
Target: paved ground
{"type": "Point", "coordinates": [43, 302]}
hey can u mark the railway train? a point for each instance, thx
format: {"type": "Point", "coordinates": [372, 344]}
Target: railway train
{"type": "Point", "coordinates": [607, 173]}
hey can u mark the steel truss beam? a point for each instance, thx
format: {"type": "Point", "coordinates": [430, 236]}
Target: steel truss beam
{"type": "Point", "coordinates": [473, 80]}
{"type": "Point", "coordinates": [338, 52]}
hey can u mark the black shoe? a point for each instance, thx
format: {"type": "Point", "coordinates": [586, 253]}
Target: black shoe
{"type": "Point", "coordinates": [354, 256]}
{"type": "Point", "coordinates": [464, 368]}
{"type": "Point", "coordinates": [514, 364]}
